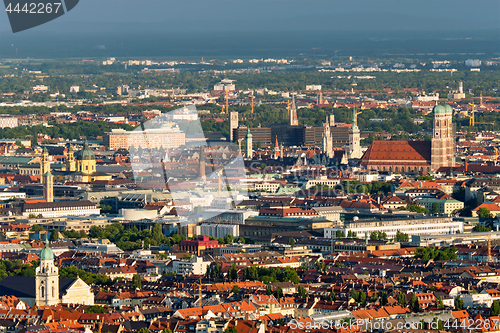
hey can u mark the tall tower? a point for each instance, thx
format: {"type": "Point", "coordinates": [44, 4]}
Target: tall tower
{"type": "Point", "coordinates": [47, 278]}
{"type": "Point", "coordinates": [276, 149]}
{"type": "Point", "coordinates": [293, 113]}
{"type": "Point", "coordinates": [354, 138]}
{"type": "Point", "coordinates": [48, 187]}
{"type": "Point", "coordinates": [327, 139]}
{"type": "Point", "coordinates": [233, 123]}
{"type": "Point", "coordinates": [202, 165]}
{"type": "Point", "coordinates": [70, 160]}
{"type": "Point", "coordinates": [44, 164]}
{"type": "Point", "coordinates": [442, 138]}
{"type": "Point", "coordinates": [249, 140]}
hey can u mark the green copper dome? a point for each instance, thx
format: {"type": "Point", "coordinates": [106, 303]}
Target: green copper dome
{"type": "Point", "coordinates": [249, 135]}
{"type": "Point", "coordinates": [85, 153]}
{"type": "Point", "coordinates": [442, 109]}
{"type": "Point", "coordinates": [47, 253]}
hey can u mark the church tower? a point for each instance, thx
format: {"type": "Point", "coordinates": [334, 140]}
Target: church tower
{"type": "Point", "coordinates": [293, 120]}
{"type": "Point", "coordinates": [354, 138]}
{"type": "Point", "coordinates": [70, 160]}
{"type": "Point", "coordinates": [202, 165]}
{"type": "Point", "coordinates": [47, 278]}
{"type": "Point", "coordinates": [44, 164]}
{"type": "Point", "coordinates": [48, 187]}
{"type": "Point", "coordinates": [327, 146]}
{"type": "Point", "coordinates": [276, 149]}
{"type": "Point", "coordinates": [249, 140]}
{"type": "Point", "coordinates": [86, 161]}
{"type": "Point", "coordinates": [442, 154]}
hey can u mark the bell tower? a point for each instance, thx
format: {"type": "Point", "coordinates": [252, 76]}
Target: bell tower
{"type": "Point", "coordinates": [44, 164]}
{"type": "Point", "coordinates": [249, 140]}
{"type": "Point", "coordinates": [47, 278]}
{"type": "Point", "coordinates": [292, 117]}
{"type": "Point", "coordinates": [327, 146]}
{"type": "Point", "coordinates": [70, 160]}
{"type": "Point", "coordinates": [442, 152]}
{"type": "Point", "coordinates": [354, 137]}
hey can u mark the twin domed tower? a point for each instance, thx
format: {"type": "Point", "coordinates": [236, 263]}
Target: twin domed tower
{"type": "Point", "coordinates": [400, 156]}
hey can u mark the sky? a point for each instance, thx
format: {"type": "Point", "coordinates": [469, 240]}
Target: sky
{"type": "Point", "coordinates": [240, 27]}
{"type": "Point", "coordinates": [132, 16]}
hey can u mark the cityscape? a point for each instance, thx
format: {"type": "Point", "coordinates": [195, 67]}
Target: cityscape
{"type": "Point", "coordinates": [348, 187]}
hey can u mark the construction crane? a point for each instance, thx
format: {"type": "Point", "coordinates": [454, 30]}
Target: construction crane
{"type": "Point", "coordinates": [200, 295]}
{"type": "Point", "coordinates": [484, 123]}
{"type": "Point", "coordinates": [471, 118]}
{"type": "Point", "coordinates": [472, 122]}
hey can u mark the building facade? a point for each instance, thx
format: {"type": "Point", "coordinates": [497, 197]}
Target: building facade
{"type": "Point", "coordinates": [415, 156]}
{"type": "Point", "coordinates": [148, 139]}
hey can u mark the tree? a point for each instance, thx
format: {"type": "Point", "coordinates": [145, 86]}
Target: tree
{"type": "Point", "coordinates": [484, 213]}
{"type": "Point", "coordinates": [332, 297]}
{"type": "Point", "coordinates": [214, 271]}
{"type": "Point", "coordinates": [278, 293]}
{"type": "Point", "coordinates": [269, 291]}
{"type": "Point", "coordinates": [231, 329]}
{"type": "Point", "coordinates": [137, 282]}
{"type": "Point", "coordinates": [354, 294]}
{"type": "Point", "coordinates": [401, 237]}
{"type": "Point", "coordinates": [236, 289]}
{"type": "Point", "coordinates": [144, 330]}
{"type": "Point", "coordinates": [435, 208]}
{"type": "Point", "coordinates": [105, 208]}
{"type": "Point", "coordinates": [414, 304]}
{"type": "Point", "coordinates": [440, 303]}
{"type": "Point", "coordinates": [459, 303]}
{"type": "Point", "coordinates": [401, 299]}
{"type": "Point", "coordinates": [495, 308]}
{"type": "Point", "coordinates": [291, 241]}
{"type": "Point", "coordinates": [437, 324]}
{"type": "Point", "coordinates": [54, 235]}
{"type": "Point", "coordinates": [228, 239]}
{"type": "Point", "coordinates": [157, 233]}
{"type": "Point", "coordinates": [383, 299]}
{"type": "Point", "coordinates": [302, 292]}
{"type": "Point", "coordinates": [362, 297]}
{"type": "Point", "coordinates": [36, 228]}
{"type": "Point", "coordinates": [416, 209]}
{"type": "Point", "coordinates": [481, 228]}
{"type": "Point", "coordinates": [233, 272]}
{"type": "Point", "coordinates": [339, 234]}
{"type": "Point", "coordinates": [95, 309]}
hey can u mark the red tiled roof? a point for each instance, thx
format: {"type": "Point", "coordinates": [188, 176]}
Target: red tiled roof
{"type": "Point", "coordinates": [402, 151]}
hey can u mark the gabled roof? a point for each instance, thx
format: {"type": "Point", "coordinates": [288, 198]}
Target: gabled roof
{"type": "Point", "coordinates": [401, 151]}
{"type": "Point", "coordinates": [24, 286]}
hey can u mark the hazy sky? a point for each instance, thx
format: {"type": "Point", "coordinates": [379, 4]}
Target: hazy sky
{"type": "Point", "coordinates": [171, 16]}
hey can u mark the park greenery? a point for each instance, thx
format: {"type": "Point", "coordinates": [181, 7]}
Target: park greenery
{"type": "Point", "coordinates": [428, 253]}
{"type": "Point", "coordinates": [133, 239]}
